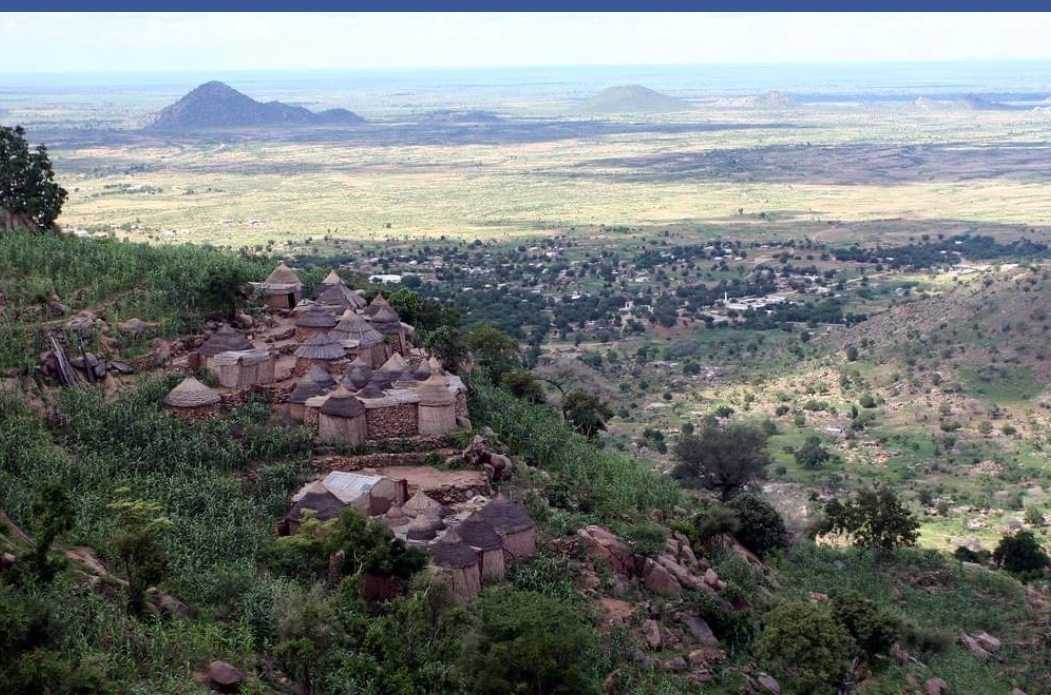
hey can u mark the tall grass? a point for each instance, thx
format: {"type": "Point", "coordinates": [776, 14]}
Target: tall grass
{"type": "Point", "coordinates": [607, 485]}
{"type": "Point", "coordinates": [168, 285]}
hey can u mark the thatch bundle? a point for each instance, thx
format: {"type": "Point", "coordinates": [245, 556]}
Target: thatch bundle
{"type": "Point", "coordinates": [371, 392]}
{"type": "Point", "coordinates": [342, 403]}
{"type": "Point", "coordinates": [191, 393]}
{"type": "Point", "coordinates": [226, 339]}
{"type": "Point", "coordinates": [478, 533]}
{"type": "Point", "coordinates": [505, 516]}
{"type": "Point", "coordinates": [320, 347]}
{"type": "Point", "coordinates": [452, 552]}
{"type": "Point", "coordinates": [386, 320]}
{"type": "Point", "coordinates": [381, 380]}
{"type": "Point", "coordinates": [422, 371]}
{"type": "Point", "coordinates": [356, 377]}
{"type": "Point", "coordinates": [377, 303]}
{"type": "Point", "coordinates": [340, 296]}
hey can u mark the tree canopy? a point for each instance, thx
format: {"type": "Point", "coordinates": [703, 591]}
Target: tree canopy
{"type": "Point", "coordinates": [28, 193]}
{"type": "Point", "coordinates": [722, 458]}
{"type": "Point", "coordinates": [586, 412]}
{"type": "Point", "coordinates": [876, 519]}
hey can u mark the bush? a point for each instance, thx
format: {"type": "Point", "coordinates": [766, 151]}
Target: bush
{"type": "Point", "coordinates": [965, 554]}
{"type": "Point", "coordinates": [873, 628]}
{"type": "Point", "coordinates": [805, 649]}
{"type": "Point", "coordinates": [760, 528]}
{"type": "Point", "coordinates": [646, 538]}
{"type": "Point", "coordinates": [713, 522]}
{"type": "Point", "coordinates": [1020, 554]}
{"type": "Point", "coordinates": [867, 401]}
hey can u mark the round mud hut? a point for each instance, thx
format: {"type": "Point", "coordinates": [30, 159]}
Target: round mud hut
{"type": "Point", "coordinates": [314, 320]}
{"type": "Point", "coordinates": [361, 339]}
{"type": "Point", "coordinates": [319, 350]}
{"type": "Point", "coordinates": [192, 400]}
{"type": "Point", "coordinates": [342, 418]}
{"type": "Point", "coordinates": [479, 534]}
{"type": "Point", "coordinates": [512, 523]}
{"type": "Point", "coordinates": [282, 289]}
{"type": "Point", "coordinates": [437, 407]}
{"type": "Point", "coordinates": [226, 339]}
{"type": "Point", "coordinates": [457, 558]}
{"type": "Point", "coordinates": [424, 529]}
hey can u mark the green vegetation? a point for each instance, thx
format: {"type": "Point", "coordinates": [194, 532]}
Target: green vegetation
{"type": "Point", "coordinates": [28, 191]}
{"type": "Point", "coordinates": [723, 458]}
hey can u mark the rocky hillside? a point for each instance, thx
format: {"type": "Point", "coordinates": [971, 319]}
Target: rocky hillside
{"type": "Point", "coordinates": [218, 105]}
{"type": "Point", "coordinates": [631, 99]}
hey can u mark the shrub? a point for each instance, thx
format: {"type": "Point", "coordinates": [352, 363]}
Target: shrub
{"type": "Point", "coordinates": [965, 554]}
{"type": "Point", "coordinates": [807, 651]}
{"type": "Point", "coordinates": [1020, 554]}
{"type": "Point", "coordinates": [713, 522]}
{"type": "Point", "coordinates": [1034, 516]}
{"type": "Point", "coordinates": [873, 628]}
{"type": "Point", "coordinates": [760, 528]}
{"type": "Point", "coordinates": [867, 401]}
{"type": "Point", "coordinates": [646, 538]}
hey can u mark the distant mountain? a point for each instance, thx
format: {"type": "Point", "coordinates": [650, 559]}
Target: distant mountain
{"type": "Point", "coordinates": [456, 117]}
{"type": "Point", "coordinates": [218, 105]}
{"type": "Point", "coordinates": [978, 103]}
{"type": "Point", "coordinates": [631, 99]}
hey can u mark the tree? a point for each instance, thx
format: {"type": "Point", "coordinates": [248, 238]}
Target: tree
{"type": "Point", "coordinates": [586, 412]}
{"type": "Point", "coordinates": [139, 544]}
{"type": "Point", "coordinates": [28, 192]}
{"type": "Point", "coordinates": [530, 643]}
{"type": "Point", "coordinates": [812, 454]}
{"type": "Point", "coordinates": [446, 343]}
{"type": "Point", "coordinates": [1020, 553]}
{"type": "Point", "coordinates": [806, 650]}
{"type": "Point", "coordinates": [722, 458]}
{"type": "Point", "coordinates": [876, 519]}
{"type": "Point", "coordinates": [874, 629]}
{"type": "Point", "coordinates": [53, 515]}
{"type": "Point", "coordinates": [852, 354]}
{"type": "Point", "coordinates": [408, 305]}
{"type": "Point", "coordinates": [760, 528]}
{"type": "Point", "coordinates": [525, 386]}
{"type": "Point", "coordinates": [493, 349]}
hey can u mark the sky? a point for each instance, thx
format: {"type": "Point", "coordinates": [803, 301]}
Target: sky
{"type": "Point", "coordinates": [156, 41]}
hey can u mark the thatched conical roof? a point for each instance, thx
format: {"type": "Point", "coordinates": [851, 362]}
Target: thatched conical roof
{"type": "Point", "coordinates": [325, 505]}
{"type": "Point", "coordinates": [283, 279]}
{"type": "Point", "coordinates": [420, 504]}
{"type": "Point", "coordinates": [435, 391]}
{"type": "Point", "coordinates": [320, 347]}
{"type": "Point", "coordinates": [332, 279]}
{"type": "Point", "coordinates": [396, 518]}
{"type": "Point", "coordinates": [478, 533]}
{"type": "Point", "coordinates": [424, 527]}
{"type": "Point", "coordinates": [394, 365]}
{"type": "Point", "coordinates": [385, 320]}
{"type": "Point", "coordinates": [226, 339]}
{"type": "Point", "coordinates": [452, 552]}
{"type": "Point", "coordinates": [355, 327]}
{"type": "Point", "coordinates": [191, 393]}
{"type": "Point", "coordinates": [305, 390]}
{"type": "Point", "coordinates": [381, 380]}
{"type": "Point", "coordinates": [316, 317]}
{"type": "Point", "coordinates": [342, 403]}
{"type": "Point", "coordinates": [505, 516]}
{"type": "Point", "coordinates": [377, 303]}
{"type": "Point", "coordinates": [320, 376]}
{"type": "Point", "coordinates": [340, 296]}
{"type": "Point", "coordinates": [371, 392]}
{"type": "Point", "coordinates": [357, 377]}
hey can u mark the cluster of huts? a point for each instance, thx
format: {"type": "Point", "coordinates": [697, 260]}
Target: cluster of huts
{"type": "Point", "coordinates": [471, 545]}
{"type": "Point", "coordinates": [358, 375]}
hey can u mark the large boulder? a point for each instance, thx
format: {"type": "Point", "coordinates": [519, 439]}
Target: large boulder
{"type": "Point", "coordinates": [651, 633]}
{"type": "Point", "coordinates": [659, 580]}
{"type": "Point", "coordinates": [935, 686]}
{"type": "Point", "coordinates": [225, 677]}
{"type": "Point", "coordinates": [698, 629]}
{"type": "Point", "coordinates": [602, 544]}
{"type": "Point", "coordinates": [973, 647]}
{"type": "Point", "coordinates": [768, 684]}
{"type": "Point", "coordinates": [132, 326]}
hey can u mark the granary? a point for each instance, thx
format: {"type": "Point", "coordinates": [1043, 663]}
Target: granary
{"type": "Point", "coordinates": [314, 320]}
{"type": "Point", "coordinates": [385, 320]}
{"type": "Point", "coordinates": [437, 407]}
{"type": "Point", "coordinates": [316, 497]}
{"type": "Point", "coordinates": [381, 380]}
{"type": "Point", "coordinates": [226, 339]}
{"type": "Point", "coordinates": [457, 558]}
{"type": "Point", "coordinates": [357, 374]}
{"type": "Point", "coordinates": [306, 389]}
{"type": "Point", "coordinates": [244, 369]}
{"type": "Point", "coordinates": [321, 377]}
{"type": "Point", "coordinates": [480, 536]}
{"type": "Point", "coordinates": [395, 365]}
{"type": "Point", "coordinates": [422, 505]}
{"type": "Point", "coordinates": [318, 350]}
{"type": "Point", "coordinates": [192, 400]}
{"type": "Point", "coordinates": [373, 494]}
{"type": "Point", "coordinates": [282, 289]}
{"type": "Point", "coordinates": [512, 523]}
{"type": "Point", "coordinates": [361, 340]}
{"type": "Point", "coordinates": [342, 418]}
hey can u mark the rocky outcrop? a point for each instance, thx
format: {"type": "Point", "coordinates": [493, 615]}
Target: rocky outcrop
{"type": "Point", "coordinates": [225, 677]}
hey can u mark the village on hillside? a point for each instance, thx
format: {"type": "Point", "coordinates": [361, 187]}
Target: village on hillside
{"type": "Point", "coordinates": [347, 370]}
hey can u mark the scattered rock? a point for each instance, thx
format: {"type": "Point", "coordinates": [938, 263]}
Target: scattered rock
{"type": "Point", "coordinates": [174, 607]}
{"type": "Point", "coordinates": [83, 325]}
{"type": "Point", "coordinates": [935, 686]}
{"type": "Point", "coordinates": [161, 349]}
{"type": "Point", "coordinates": [987, 642]}
{"type": "Point", "coordinates": [701, 677]}
{"type": "Point", "coordinates": [706, 656]}
{"type": "Point", "coordinates": [7, 560]}
{"type": "Point", "coordinates": [224, 676]}
{"type": "Point", "coordinates": [816, 597]}
{"type": "Point", "coordinates": [121, 367]}
{"type": "Point", "coordinates": [651, 632]}
{"type": "Point", "coordinates": [133, 326]}
{"type": "Point", "coordinates": [658, 579]}
{"type": "Point", "coordinates": [243, 320]}
{"type": "Point", "coordinates": [768, 684]}
{"type": "Point", "coordinates": [1017, 691]}
{"type": "Point", "coordinates": [676, 664]}
{"type": "Point", "coordinates": [699, 629]}
{"type": "Point", "coordinates": [972, 646]}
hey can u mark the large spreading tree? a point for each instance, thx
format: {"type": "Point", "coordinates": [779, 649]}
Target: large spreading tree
{"type": "Point", "coordinates": [722, 458]}
{"type": "Point", "coordinates": [29, 195]}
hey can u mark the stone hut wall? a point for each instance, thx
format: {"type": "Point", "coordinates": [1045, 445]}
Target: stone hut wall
{"type": "Point", "coordinates": [393, 421]}
{"type": "Point", "coordinates": [303, 365]}
{"type": "Point", "coordinates": [305, 332]}
{"type": "Point", "coordinates": [461, 405]}
{"type": "Point", "coordinates": [351, 430]}
{"type": "Point", "coordinates": [196, 414]}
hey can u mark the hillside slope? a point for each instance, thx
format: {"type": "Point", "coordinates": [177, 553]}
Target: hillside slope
{"type": "Point", "coordinates": [631, 99]}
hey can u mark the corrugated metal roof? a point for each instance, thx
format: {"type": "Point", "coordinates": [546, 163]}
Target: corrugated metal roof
{"type": "Point", "coordinates": [348, 487]}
